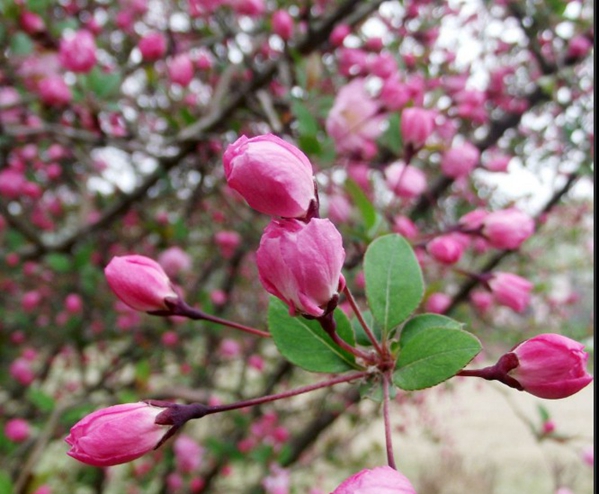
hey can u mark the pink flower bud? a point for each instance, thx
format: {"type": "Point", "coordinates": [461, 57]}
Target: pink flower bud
{"type": "Point", "coordinates": [78, 51]}
{"type": "Point", "coordinates": [227, 242]}
{"type": "Point", "coordinates": [511, 290]}
{"type": "Point", "coordinates": [17, 430]}
{"type": "Point", "coordinates": [188, 454]}
{"type": "Point", "coordinates": [180, 69]}
{"type": "Point", "coordinates": [459, 161]}
{"type": "Point", "coordinates": [579, 46]}
{"type": "Point", "coordinates": [152, 46]}
{"type": "Point", "coordinates": [54, 91]}
{"type": "Point", "coordinates": [31, 23]}
{"type": "Point", "coordinates": [139, 282]}
{"type": "Point", "coordinates": [73, 303]}
{"type": "Point", "coordinates": [116, 434]}
{"type": "Point", "coordinates": [379, 480]}
{"type": "Point", "coordinates": [446, 249]}
{"type": "Point", "coordinates": [507, 229]}
{"type": "Point", "coordinates": [12, 183]}
{"type": "Point", "coordinates": [405, 227]}
{"type": "Point", "coordinates": [339, 33]}
{"type": "Point", "coordinates": [273, 176]}
{"type": "Point", "coordinates": [174, 260]}
{"type": "Point", "coordinates": [548, 426]}
{"type": "Point", "coordinates": [21, 371]}
{"type": "Point", "coordinates": [405, 181]}
{"type": "Point", "coordinates": [473, 220]}
{"type": "Point", "coordinates": [301, 264]}
{"type": "Point", "coordinates": [416, 126]}
{"type": "Point", "coordinates": [551, 366]}
{"type": "Point", "coordinates": [482, 301]}
{"type": "Point", "coordinates": [282, 24]}
{"type": "Point", "coordinates": [437, 303]}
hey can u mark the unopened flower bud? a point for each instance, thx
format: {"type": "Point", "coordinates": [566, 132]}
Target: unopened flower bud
{"type": "Point", "coordinates": [152, 46]}
{"type": "Point", "coordinates": [379, 480]}
{"type": "Point", "coordinates": [301, 264]}
{"type": "Point", "coordinates": [551, 366]}
{"type": "Point", "coordinates": [507, 229]}
{"type": "Point", "coordinates": [459, 161]}
{"type": "Point", "coordinates": [78, 51]}
{"type": "Point", "coordinates": [511, 290]}
{"type": "Point", "coordinates": [116, 434]}
{"type": "Point", "coordinates": [273, 176]}
{"type": "Point", "coordinates": [417, 125]}
{"type": "Point", "coordinates": [140, 282]}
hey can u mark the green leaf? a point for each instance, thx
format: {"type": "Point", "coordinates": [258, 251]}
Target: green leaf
{"type": "Point", "coordinates": [391, 138]}
{"type": "Point", "coordinates": [103, 84]}
{"type": "Point", "coordinates": [372, 219]}
{"type": "Point", "coordinates": [6, 486]}
{"type": "Point", "coordinates": [394, 284]}
{"type": "Point", "coordinates": [41, 400]}
{"type": "Point", "coordinates": [21, 44]}
{"type": "Point", "coordinates": [544, 413]}
{"type": "Point", "coordinates": [304, 343]}
{"type": "Point", "coordinates": [433, 349]}
{"type": "Point", "coordinates": [361, 337]}
{"type": "Point", "coordinates": [307, 124]}
{"type": "Point", "coordinates": [60, 263]}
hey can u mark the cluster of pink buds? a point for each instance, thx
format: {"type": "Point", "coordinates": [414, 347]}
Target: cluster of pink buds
{"type": "Point", "coordinates": [300, 255]}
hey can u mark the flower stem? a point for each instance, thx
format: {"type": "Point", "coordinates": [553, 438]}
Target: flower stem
{"type": "Point", "coordinates": [182, 309]}
{"type": "Point", "coordinates": [387, 419]}
{"type": "Point", "coordinates": [362, 321]}
{"type": "Point", "coordinates": [285, 394]}
{"type": "Point", "coordinates": [330, 326]}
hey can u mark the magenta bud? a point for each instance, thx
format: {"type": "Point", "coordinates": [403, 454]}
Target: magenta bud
{"type": "Point", "coordinates": [507, 229]}
{"type": "Point", "coordinates": [551, 366]}
{"type": "Point", "coordinates": [140, 282]}
{"type": "Point", "coordinates": [446, 249]}
{"type": "Point", "coordinates": [301, 264]}
{"type": "Point", "coordinates": [379, 480]}
{"type": "Point", "coordinates": [181, 69]}
{"type": "Point", "coordinates": [417, 125]}
{"type": "Point", "coordinates": [273, 176]}
{"type": "Point", "coordinates": [459, 161]}
{"type": "Point", "coordinates": [17, 430]}
{"type": "Point", "coordinates": [282, 24]}
{"type": "Point", "coordinates": [116, 434]}
{"type": "Point", "coordinates": [78, 51]}
{"type": "Point", "coordinates": [511, 290]}
{"type": "Point", "coordinates": [152, 46]}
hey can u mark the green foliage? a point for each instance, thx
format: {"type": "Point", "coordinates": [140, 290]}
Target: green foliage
{"type": "Point", "coordinates": [394, 284]}
{"type": "Point", "coordinates": [304, 343]}
{"type": "Point", "coordinates": [371, 218]}
{"type": "Point", "coordinates": [103, 84]}
{"type": "Point", "coordinates": [42, 401]}
{"type": "Point", "coordinates": [21, 44]}
{"type": "Point", "coordinates": [432, 349]}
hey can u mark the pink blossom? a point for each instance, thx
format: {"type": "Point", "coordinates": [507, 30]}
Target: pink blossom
{"type": "Point", "coordinates": [77, 51]}
{"type": "Point", "coordinates": [379, 480]}
{"type": "Point", "coordinates": [579, 46]}
{"type": "Point", "coordinates": [43, 489]}
{"type": "Point", "coordinates": [31, 23]}
{"type": "Point", "coordinates": [339, 208]}
{"type": "Point", "coordinates": [188, 454]}
{"type": "Point", "coordinates": [12, 183]}
{"type": "Point", "coordinates": [180, 69]}
{"type": "Point", "coordinates": [339, 33]}
{"type": "Point", "coordinates": [482, 301]}
{"type": "Point", "coordinates": [407, 182]}
{"type": "Point", "coordinates": [152, 46]}
{"type": "Point", "coordinates": [508, 228]}
{"type": "Point", "coordinates": [551, 366]}
{"type": "Point", "coordinates": [139, 282]}
{"type": "Point", "coordinates": [498, 162]}
{"type": "Point", "coordinates": [278, 481]}
{"type": "Point", "coordinates": [473, 220]}
{"type": "Point", "coordinates": [354, 121]}
{"type": "Point", "coordinates": [460, 160]}
{"type": "Point", "coordinates": [54, 91]}
{"type": "Point", "coordinates": [227, 241]}
{"type": "Point", "coordinates": [417, 125]}
{"type": "Point", "coordinates": [21, 371]}
{"type": "Point", "coordinates": [405, 227]}
{"type": "Point", "coordinates": [230, 348]}
{"type": "Point", "coordinates": [17, 430]}
{"type": "Point", "coordinates": [446, 249]}
{"type": "Point", "coordinates": [301, 263]}
{"type": "Point", "coordinates": [511, 290]}
{"type": "Point", "coordinates": [282, 24]}
{"type": "Point", "coordinates": [174, 261]}
{"type": "Point", "coordinates": [73, 303]}
{"type": "Point", "coordinates": [394, 93]}
{"type": "Point", "coordinates": [588, 455]}
{"type": "Point", "coordinates": [251, 8]}
{"type": "Point", "coordinates": [116, 434]}
{"type": "Point", "coordinates": [437, 303]}
{"type": "Point", "coordinates": [273, 176]}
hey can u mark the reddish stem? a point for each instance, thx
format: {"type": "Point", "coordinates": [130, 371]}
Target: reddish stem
{"type": "Point", "coordinates": [362, 321]}
{"type": "Point", "coordinates": [387, 420]}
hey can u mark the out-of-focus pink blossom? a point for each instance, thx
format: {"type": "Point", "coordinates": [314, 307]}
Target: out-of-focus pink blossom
{"type": "Point", "coordinates": [437, 303]}
{"type": "Point", "coordinates": [473, 221]}
{"type": "Point", "coordinates": [12, 183]}
{"type": "Point", "coordinates": [115, 435]}
{"type": "Point", "coordinates": [77, 51]}
{"type": "Point", "coordinates": [251, 8]}
{"type": "Point", "coordinates": [354, 121]}
{"type": "Point", "coordinates": [482, 301]}
{"type": "Point", "coordinates": [511, 290]}
{"type": "Point", "coordinates": [508, 228]}
{"type": "Point", "coordinates": [174, 261]}
{"type": "Point", "coordinates": [339, 208]}
{"type": "Point", "coordinates": [73, 303]}
{"type": "Point", "coordinates": [588, 455]}
{"type": "Point", "coordinates": [181, 70]}
{"type": "Point", "coordinates": [446, 249]}
{"type": "Point", "coordinates": [152, 46]}
{"type": "Point", "coordinates": [227, 241]}
{"type": "Point", "coordinates": [31, 22]}
{"type": "Point", "coordinates": [339, 33]}
{"type": "Point", "coordinates": [301, 264]}
{"type": "Point", "coordinates": [188, 454]}
{"type": "Point", "coordinates": [394, 93]}
{"type": "Point", "coordinates": [282, 24]}
{"type": "Point", "coordinates": [273, 176]}
{"type": "Point", "coordinates": [497, 162]}
{"type": "Point", "coordinates": [230, 348]}
{"type": "Point", "coordinates": [278, 481]}
{"type": "Point", "coordinates": [579, 46]}
{"type": "Point", "coordinates": [379, 480]}
{"type": "Point", "coordinates": [405, 227]}
{"type": "Point", "coordinates": [21, 371]}
{"type": "Point", "coordinates": [460, 160]}
{"type": "Point", "coordinates": [17, 430]}
{"type": "Point", "coordinates": [407, 182]}
{"type": "Point", "coordinates": [54, 91]}
{"type": "Point", "coordinates": [417, 124]}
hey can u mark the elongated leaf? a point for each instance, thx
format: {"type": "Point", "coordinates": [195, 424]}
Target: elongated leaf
{"type": "Point", "coordinates": [423, 322]}
{"type": "Point", "coordinates": [304, 343]}
{"type": "Point", "coordinates": [394, 285]}
{"type": "Point", "coordinates": [431, 355]}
